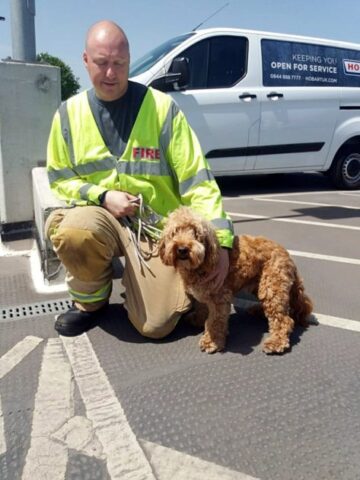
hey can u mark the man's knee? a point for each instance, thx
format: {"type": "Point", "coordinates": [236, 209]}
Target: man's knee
{"type": "Point", "coordinates": [82, 245]}
{"type": "Point", "coordinates": [155, 329]}
{"type": "Point", "coordinates": [83, 252]}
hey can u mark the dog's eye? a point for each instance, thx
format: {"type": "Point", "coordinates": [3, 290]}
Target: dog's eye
{"type": "Point", "coordinates": [174, 231]}
{"type": "Point", "coordinates": [198, 234]}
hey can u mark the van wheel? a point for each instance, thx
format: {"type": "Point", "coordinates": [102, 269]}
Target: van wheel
{"type": "Point", "coordinates": [345, 172]}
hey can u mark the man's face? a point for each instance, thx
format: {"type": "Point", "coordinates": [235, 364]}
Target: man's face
{"type": "Point", "coordinates": [107, 62]}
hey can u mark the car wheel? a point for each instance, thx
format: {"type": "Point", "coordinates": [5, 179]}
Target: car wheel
{"type": "Point", "coordinates": [345, 172]}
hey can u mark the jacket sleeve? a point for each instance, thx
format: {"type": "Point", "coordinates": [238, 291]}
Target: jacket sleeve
{"type": "Point", "coordinates": [196, 183]}
{"type": "Point", "coordinates": [64, 181]}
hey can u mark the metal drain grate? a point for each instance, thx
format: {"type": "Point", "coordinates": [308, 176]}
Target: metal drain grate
{"type": "Point", "coordinates": [35, 309]}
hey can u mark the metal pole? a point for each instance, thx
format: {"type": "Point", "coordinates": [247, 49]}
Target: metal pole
{"type": "Point", "coordinates": [23, 30]}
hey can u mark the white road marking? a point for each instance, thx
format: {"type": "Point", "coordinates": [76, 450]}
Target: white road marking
{"type": "Point", "coordinates": [2, 431]}
{"type": "Point", "coordinates": [174, 465]}
{"type": "Point", "coordinates": [315, 318]}
{"type": "Point", "coordinates": [47, 458]}
{"type": "Point", "coordinates": [125, 457]}
{"type": "Point", "coordinates": [350, 194]}
{"type": "Point", "coordinates": [270, 195]}
{"type": "Point", "coordinates": [292, 220]}
{"type": "Point", "coordinates": [328, 258]}
{"type": "Point", "coordinates": [14, 356]}
{"type": "Point", "coordinates": [338, 322]}
{"type": "Point", "coordinates": [294, 194]}
{"type": "Point", "coordinates": [78, 434]}
{"type": "Point", "coordinates": [300, 202]}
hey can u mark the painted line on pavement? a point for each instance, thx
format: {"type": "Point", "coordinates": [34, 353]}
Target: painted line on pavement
{"type": "Point", "coordinates": [338, 322]}
{"type": "Point", "coordinates": [350, 194]}
{"type": "Point", "coordinates": [294, 194]}
{"type": "Point", "coordinates": [46, 457]}
{"type": "Point", "coordinates": [300, 202]}
{"type": "Point", "coordinates": [14, 356]}
{"type": "Point", "coordinates": [289, 194]}
{"type": "Point", "coordinates": [169, 463]}
{"type": "Point", "coordinates": [125, 457]}
{"type": "Point", "coordinates": [292, 220]}
{"type": "Point", "coordinates": [2, 431]}
{"type": "Point", "coordinates": [328, 258]}
{"type": "Point", "coordinates": [315, 318]}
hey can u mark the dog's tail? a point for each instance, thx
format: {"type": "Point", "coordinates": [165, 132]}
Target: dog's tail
{"type": "Point", "coordinates": [301, 305]}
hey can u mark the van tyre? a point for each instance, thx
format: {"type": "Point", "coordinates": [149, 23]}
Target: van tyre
{"type": "Point", "coordinates": [345, 171]}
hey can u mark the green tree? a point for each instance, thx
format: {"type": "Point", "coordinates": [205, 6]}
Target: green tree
{"type": "Point", "coordinates": [69, 83]}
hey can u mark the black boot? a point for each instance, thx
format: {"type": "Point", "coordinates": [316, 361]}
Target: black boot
{"type": "Point", "coordinates": [75, 321]}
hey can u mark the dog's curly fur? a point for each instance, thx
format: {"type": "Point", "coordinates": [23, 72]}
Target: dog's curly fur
{"type": "Point", "coordinates": [257, 265]}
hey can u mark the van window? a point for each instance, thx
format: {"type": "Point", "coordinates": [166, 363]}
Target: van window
{"type": "Point", "coordinates": [150, 58]}
{"type": "Point", "coordinates": [217, 62]}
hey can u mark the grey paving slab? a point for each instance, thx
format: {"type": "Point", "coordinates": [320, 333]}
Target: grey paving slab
{"type": "Point", "coordinates": [272, 417]}
{"type": "Point", "coordinates": [334, 287]}
{"type": "Point", "coordinates": [18, 400]}
{"type": "Point", "coordinates": [81, 467]}
{"type": "Point", "coordinates": [16, 286]}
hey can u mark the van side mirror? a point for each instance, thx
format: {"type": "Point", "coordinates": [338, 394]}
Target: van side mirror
{"type": "Point", "coordinates": [180, 68]}
{"type": "Point", "coordinates": [177, 77]}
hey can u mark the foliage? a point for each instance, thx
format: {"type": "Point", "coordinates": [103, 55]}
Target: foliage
{"type": "Point", "coordinates": [69, 83]}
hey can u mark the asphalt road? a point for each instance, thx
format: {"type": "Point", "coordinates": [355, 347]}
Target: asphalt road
{"type": "Point", "coordinates": [113, 405]}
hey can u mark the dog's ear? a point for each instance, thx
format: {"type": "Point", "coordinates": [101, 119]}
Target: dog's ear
{"type": "Point", "coordinates": [164, 256]}
{"type": "Point", "coordinates": [162, 249]}
{"type": "Point", "coordinates": [211, 245]}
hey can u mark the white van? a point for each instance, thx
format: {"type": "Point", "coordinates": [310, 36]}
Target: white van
{"type": "Point", "coordinates": [264, 102]}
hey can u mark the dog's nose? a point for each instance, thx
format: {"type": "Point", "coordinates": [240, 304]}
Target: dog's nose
{"type": "Point", "coordinates": [182, 252]}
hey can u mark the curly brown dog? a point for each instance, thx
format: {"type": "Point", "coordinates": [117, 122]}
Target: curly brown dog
{"type": "Point", "coordinates": [257, 265]}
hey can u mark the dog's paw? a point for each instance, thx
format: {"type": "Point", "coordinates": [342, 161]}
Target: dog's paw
{"type": "Point", "coordinates": [208, 345]}
{"type": "Point", "coordinates": [275, 345]}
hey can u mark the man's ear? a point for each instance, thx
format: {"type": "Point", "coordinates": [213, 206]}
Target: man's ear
{"type": "Point", "coordinates": [85, 58]}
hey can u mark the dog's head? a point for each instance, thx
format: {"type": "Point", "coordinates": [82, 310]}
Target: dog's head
{"type": "Point", "coordinates": [188, 240]}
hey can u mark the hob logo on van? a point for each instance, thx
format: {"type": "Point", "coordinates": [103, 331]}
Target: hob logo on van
{"type": "Point", "coordinates": [351, 67]}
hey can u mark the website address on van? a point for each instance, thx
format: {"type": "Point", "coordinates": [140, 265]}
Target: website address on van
{"type": "Point", "coordinates": [309, 78]}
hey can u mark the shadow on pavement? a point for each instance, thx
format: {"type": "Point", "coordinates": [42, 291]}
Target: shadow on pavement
{"type": "Point", "coordinates": [246, 331]}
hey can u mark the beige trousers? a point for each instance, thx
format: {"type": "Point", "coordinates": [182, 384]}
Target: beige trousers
{"type": "Point", "coordinates": [86, 239]}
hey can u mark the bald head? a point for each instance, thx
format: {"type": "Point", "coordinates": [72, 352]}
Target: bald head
{"type": "Point", "coordinates": [107, 59]}
{"type": "Point", "coordinates": [105, 31]}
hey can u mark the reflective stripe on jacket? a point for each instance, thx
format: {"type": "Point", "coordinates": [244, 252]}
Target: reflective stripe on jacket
{"type": "Point", "coordinates": [162, 160]}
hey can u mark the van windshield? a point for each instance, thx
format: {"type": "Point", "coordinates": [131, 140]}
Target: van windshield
{"type": "Point", "coordinates": [150, 58]}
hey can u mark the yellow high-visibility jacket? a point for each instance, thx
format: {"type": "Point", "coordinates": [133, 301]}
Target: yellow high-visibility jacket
{"type": "Point", "coordinates": [160, 157]}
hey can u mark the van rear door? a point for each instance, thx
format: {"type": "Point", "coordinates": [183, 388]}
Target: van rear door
{"type": "Point", "coordinates": [299, 105]}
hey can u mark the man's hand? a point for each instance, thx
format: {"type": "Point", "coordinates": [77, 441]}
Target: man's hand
{"type": "Point", "coordinates": [120, 204]}
{"type": "Point", "coordinates": [216, 278]}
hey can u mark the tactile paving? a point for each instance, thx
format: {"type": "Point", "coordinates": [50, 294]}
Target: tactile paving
{"type": "Point", "coordinates": [273, 417]}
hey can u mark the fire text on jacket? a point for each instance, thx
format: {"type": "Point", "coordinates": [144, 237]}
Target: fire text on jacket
{"type": "Point", "coordinates": [146, 153]}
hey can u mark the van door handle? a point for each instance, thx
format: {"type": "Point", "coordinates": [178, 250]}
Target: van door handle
{"type": "Point", "coordinates": [275, 95]}
{"type": "Point", "coordinates": [247, 96]}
